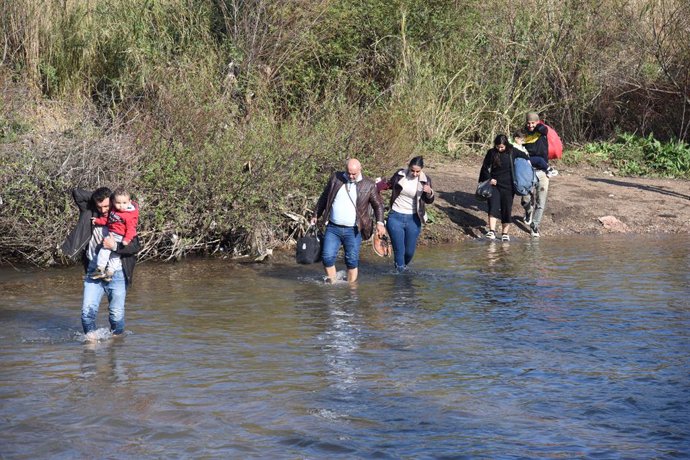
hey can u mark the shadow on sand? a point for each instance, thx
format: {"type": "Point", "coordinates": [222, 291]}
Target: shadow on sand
{"type": "Point", "coordinates": [649, 188]}
{"type": "Point", "coordinates": [459, 201]}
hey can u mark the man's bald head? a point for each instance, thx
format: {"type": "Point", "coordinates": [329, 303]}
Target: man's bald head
{"type": "Point", "coordinates": [354, 168]}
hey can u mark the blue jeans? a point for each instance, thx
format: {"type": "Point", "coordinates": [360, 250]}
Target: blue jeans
{"type": "Point", "coordinates": [116, 290]}
{"type": "Point", "coordinates": [333, 238]}
{"type": "Point", "coordinates": [404, 230]}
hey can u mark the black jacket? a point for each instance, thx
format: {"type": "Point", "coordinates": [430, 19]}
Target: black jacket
{"type": "Point", "coordinates": [497, 166]}
{"type": "Point", "coordinates": [536, 142]}
{"type": "Point", "coordinates": [76, 242]}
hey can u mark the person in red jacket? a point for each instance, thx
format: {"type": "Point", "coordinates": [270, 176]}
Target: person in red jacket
{"type": "Point", "coordinates": [121, 224]}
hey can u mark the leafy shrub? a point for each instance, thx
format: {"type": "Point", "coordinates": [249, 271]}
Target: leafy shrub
{"type": "Point", "coordinates": [11, 128]}
{"type": "Point", "coordinates": [637, 156]}
{"type": "Point", "coordinates": [225, 118]}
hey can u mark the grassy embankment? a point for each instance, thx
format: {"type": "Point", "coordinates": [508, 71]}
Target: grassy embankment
{"type": "Point", "coordinates": [225, 117]}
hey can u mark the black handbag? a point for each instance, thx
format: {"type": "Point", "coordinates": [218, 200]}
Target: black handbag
{"type": "Point", "coordinates": [308, 249]}
{"type": "Point", "coordinates": [483, 192]}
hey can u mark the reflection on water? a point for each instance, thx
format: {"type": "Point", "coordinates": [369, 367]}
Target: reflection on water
{"type": "Point", "coordinates": [555, 348]}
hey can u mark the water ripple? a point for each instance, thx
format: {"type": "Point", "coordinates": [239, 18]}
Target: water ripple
{"type": "Point", "coordinates": [575, 348]}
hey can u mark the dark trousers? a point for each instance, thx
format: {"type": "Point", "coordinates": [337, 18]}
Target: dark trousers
{"type": "Point", "coordinates": [501, 204]}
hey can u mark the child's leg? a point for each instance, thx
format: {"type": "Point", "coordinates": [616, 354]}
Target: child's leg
{"type": "Point", "coordinates": [113, 257]}
{"type": "Point", "coordinates": [103, 257]}
{"type": "Point", "coordinates": [103, 254]}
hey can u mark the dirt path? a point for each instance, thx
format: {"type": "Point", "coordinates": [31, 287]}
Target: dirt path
{"type": "Point", "coordinates": [577, 199]}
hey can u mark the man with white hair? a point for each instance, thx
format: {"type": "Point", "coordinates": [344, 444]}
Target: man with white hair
{"type": "Point", "coordinates": [345, 203]}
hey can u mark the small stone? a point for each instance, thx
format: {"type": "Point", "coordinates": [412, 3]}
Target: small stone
{"type": "Point", "coordinates": [613, 224]}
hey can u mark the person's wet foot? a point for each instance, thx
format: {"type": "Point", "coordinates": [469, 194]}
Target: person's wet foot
{"type": "Point", "coordinates": [91, 336]}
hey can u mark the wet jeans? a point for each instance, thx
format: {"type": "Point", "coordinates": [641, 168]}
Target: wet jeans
{"type": "Point", "coordinates": [333, 238]}
{"type": "Point", "coordinates": [403, 230]}
{"type": "Point", "coordinates": [116, 291]}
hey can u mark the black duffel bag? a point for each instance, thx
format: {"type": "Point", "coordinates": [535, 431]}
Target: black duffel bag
{"type": "Point", "coordinates": [308, 249]}
{"type": "Point", "coordinates": [483, 192]}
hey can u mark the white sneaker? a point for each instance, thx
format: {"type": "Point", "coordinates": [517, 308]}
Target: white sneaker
{"type": "Point", "coordinates": [551, 172]}
{"type": "Point", "coordinates": [528, 216]}
{"type": "Point", "coordinates": [490, 235]}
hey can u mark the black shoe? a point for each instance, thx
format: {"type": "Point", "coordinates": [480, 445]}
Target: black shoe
{"type": "Point", "coordinates": [98, 274]}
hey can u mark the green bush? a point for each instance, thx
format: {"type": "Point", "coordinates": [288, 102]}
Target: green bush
{"type": "Point", "coordinates": [243, 189]}
{"type": "Point", "coordinates": [637, 156]}
{"type": "Point", "coordinates": [225, 118]}
{"type": "Point", "coordinates": [11, 129]}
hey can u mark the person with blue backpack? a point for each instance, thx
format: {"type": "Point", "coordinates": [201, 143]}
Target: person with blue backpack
{"type": "Point", "coordinates": [538, 163]}
{"type": "Point", "coordinates": [537, 145]}
{"type": "Point", "coordinates": [498, 167]}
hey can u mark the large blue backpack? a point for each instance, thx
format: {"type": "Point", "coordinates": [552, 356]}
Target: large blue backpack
{"type": "Point", "coordinates": [524, 177]}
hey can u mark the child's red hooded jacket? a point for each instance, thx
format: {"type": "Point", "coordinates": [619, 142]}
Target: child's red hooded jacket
{"type": "Point", "coordinates": [122, 222]}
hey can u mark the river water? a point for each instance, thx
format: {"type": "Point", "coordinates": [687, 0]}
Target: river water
{"type": "Point", "coordinates": [560, 348]}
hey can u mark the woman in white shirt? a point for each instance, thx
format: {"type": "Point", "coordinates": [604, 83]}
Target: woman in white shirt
{"type": "Point", "coordinates": [411, 191]}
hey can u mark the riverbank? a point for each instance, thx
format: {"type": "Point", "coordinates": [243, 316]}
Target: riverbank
{"type": "Point", "coordinates": [581, 200]}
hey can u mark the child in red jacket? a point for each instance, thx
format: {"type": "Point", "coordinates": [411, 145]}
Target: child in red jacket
{"type": "Point", "coordinates": [122, 226]}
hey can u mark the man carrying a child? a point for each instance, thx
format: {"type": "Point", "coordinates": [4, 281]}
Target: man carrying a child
{"type": "Point", "coordinates": [85, 241]}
